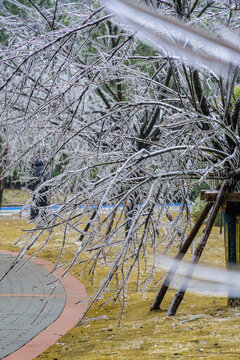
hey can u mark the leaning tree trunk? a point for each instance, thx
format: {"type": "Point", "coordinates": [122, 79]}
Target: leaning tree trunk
{"type": "Point", "coordinates": [198, 252]}
{"type": "Point", "coordinates": [184, 248]}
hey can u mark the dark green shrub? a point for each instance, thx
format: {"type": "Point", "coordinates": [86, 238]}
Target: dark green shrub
{"type": "Point", "coordinates": [197, 189]}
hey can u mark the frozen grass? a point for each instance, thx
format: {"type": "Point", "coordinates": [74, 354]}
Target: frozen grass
{"type": "Point", "coordinates": [203, 328]}
{"type": "Point", "coordinates": [15, 197]}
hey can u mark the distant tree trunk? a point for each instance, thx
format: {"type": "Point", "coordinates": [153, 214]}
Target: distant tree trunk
{"type": "Point", "coordinates": [3, 168]}
{"type": "Point", "coordinates": [1, 193]}
{"type": "Point", "coordinates": [130, 210]}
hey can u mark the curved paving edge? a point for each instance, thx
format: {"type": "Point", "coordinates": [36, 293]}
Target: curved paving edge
{"type": "Point", "coordinates": [69, 317]}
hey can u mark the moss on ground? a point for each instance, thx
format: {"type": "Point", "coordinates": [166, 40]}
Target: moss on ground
{"type": "Point", "coordinates": [203, 328]}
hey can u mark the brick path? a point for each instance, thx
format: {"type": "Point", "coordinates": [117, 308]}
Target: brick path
{"type": "Point", "coordinates": [26, 308]}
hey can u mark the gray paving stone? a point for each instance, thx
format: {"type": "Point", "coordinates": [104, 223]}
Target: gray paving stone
{"type": "Point", "coordinates": [23, 316]}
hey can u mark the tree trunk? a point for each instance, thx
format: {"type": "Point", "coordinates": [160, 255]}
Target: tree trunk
{"type": "Point", "coordinates": [231, 238]}
{"type": "Point", "coordinates": [159, 298]}
{"type": "Point", "coordinates": [3, 168]}
{"type": "Point", "coordinates": [198, 252]}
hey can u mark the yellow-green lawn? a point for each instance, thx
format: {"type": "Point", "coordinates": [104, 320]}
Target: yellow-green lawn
{"type": "Point", "coordinates": [214, 332]}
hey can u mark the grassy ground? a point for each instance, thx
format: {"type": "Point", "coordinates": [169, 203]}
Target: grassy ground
{"type": "Point", "coordinates": [213, 332]}
{"type": "Point", "coordinates": [14, 197]}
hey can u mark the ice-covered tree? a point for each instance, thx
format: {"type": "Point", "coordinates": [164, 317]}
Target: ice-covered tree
{"type": "Point", "coordinates": [129, 124]}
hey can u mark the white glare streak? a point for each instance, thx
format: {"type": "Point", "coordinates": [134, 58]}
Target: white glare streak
{"type": "Point", "coordinates": [175, 38]}
{"type": "Point", "coordinates": [208, 279]}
